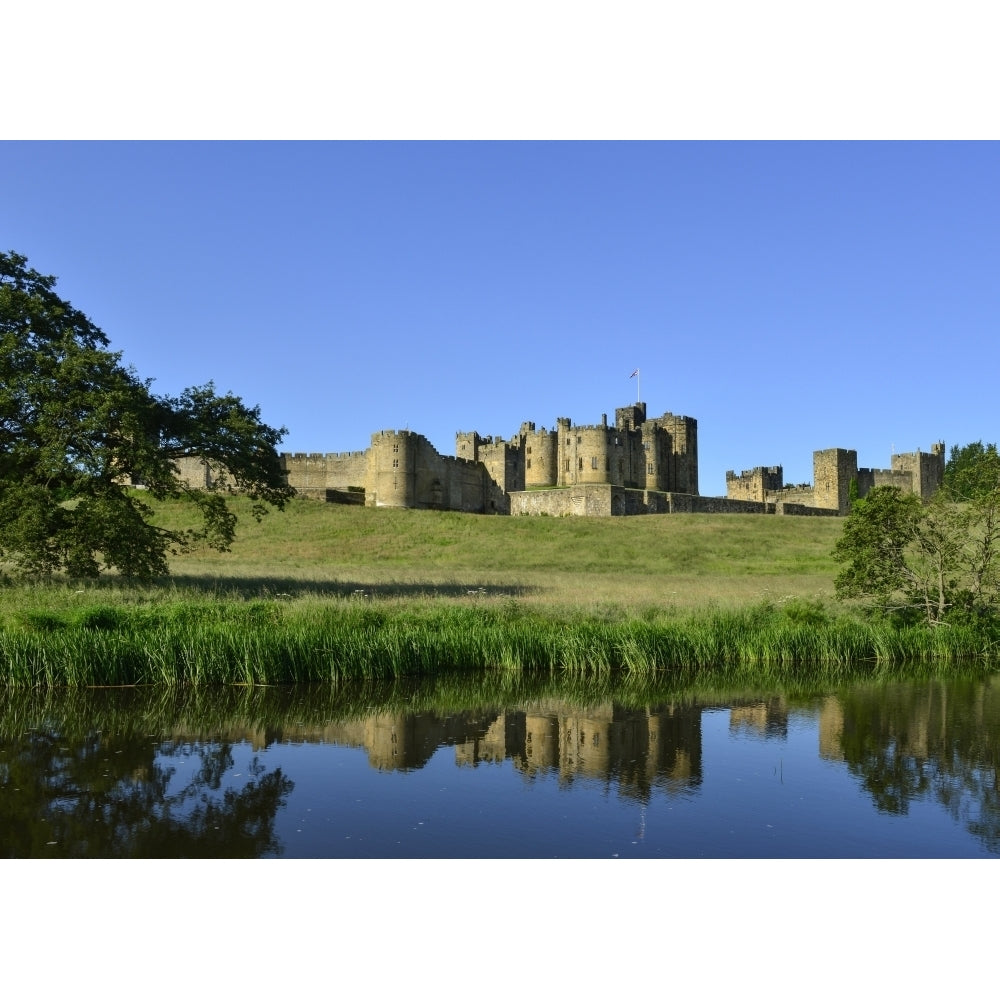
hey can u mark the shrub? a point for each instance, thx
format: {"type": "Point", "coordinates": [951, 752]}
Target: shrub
{"type": "Point", "coordinates": [805, 612]}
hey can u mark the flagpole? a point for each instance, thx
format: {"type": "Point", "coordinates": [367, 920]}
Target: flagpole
{"type": "Point", "coordinates": [636, 376]}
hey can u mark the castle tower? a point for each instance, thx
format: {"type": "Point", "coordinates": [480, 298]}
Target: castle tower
{"type": "Point", "coordinates": [630, 418]}
{"type": "Point", "coordinates": [593, 458]}
{"type": "Point", "coordinates": [670, 462]}
{"type": "Point", "coordinates": [467, 445]}
{"type": "Point", "coordinates": [927, 469]}
{"type": "Point", "coordinates": [541, 456]}
{"type": "Point", "coordinates": [392, 474]}
{"type": "Point", "coordinates": [833, 470]}
{"type": "Point", "coordinates": [684, 453]}
{"type": "Point", "coordinates": [755, 484]}
{"type": "Point", "coordinates": [565, 452]}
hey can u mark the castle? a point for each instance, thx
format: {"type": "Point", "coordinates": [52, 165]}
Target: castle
{"type": "Point", "coordinates": [638, 465]}
{"type": "Point", "coordinates": [834, 470]}
{"type": "Point", "coordinates": [526, 473]}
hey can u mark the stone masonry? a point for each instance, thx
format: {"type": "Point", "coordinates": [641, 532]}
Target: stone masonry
{"type": "Point", "coordinates": [834, 469]}
{"type": "Point", "coordinates": [636, 465]}
{"type": "Point", "coordinates": [403, 469]}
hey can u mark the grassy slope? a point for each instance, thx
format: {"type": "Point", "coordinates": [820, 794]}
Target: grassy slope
{"type": "Point", "coordinates": [683, 560]}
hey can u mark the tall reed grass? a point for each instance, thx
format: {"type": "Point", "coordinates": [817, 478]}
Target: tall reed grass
{"type": "Point", "coordinates": [275, 642]}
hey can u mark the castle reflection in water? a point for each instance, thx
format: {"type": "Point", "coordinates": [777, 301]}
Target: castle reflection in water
{"type": "Point", "coordinates": [637, 750]}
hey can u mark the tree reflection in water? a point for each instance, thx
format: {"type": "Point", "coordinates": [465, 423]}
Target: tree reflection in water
{"type": "Point", "coordinates": [112, 797]}
{"type": "Point", "coordinates": [940, 740]}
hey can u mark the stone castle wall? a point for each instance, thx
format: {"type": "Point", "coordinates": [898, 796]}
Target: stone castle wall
{"type": "Point", "coordinates": [403, 469]}
{"type": "Point", "coordinates": [605, 500]}
{"type": "Point", "coordinates": [754, 484]}
{"type": "Point", "coordinates": [636, 465]}
{"type": "Point", "coordinates": [314, 474]}
{"type": "Point", "coordinates": [834, 469]}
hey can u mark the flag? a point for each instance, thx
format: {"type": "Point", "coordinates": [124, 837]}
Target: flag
{"type": "Point", "coordinates": [633, 375]}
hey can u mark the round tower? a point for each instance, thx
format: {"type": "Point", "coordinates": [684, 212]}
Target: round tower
{"type": "Point", "coordinates": [593, 457]}
{"type": "Point", "coordinates": [540, 458]}
{"type": "Point", "coordinates": [394, 459]}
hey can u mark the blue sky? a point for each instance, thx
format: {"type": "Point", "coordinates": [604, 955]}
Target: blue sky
{"type": "Point", "coordinates": [789, 296]}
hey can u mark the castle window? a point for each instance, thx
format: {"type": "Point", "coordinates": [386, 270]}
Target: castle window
{"type": "Point", "coordinates": [580, 466]}
{"type": "Point", "coordinates": [566, 465]}
{"type": "Point", "coordinates": [649, 468]}
{"type": "Point", "coordinates": [593, 462]}
{"type": "Point", "coordinates": [529, 463]}
{"type": "Point", "coordinates": [395, 463]}
{"type": "Point", "coordinates": [529, 449]}
{"type": "Point", "coordinates": [395, 447]}
{"type": "Point", "coordinates": [579, 440]}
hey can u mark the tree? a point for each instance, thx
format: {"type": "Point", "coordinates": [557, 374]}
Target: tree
{"type": "Point", "coordinates": [972, 471]}
{"type": "Point", "coordinates": [877, 533]}
{"type": "Point", "coordinates": [77, 428]}
{"type": "Point", "coordinates": [936, 560]}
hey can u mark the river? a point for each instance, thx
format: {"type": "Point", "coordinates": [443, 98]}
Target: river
{"type": "Point", "coordinates": [503, 767]}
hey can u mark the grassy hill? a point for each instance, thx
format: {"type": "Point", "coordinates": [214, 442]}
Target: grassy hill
{"type": "Point", "coordinates": [682, 560]}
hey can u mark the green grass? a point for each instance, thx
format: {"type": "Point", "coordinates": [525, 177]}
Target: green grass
{"type": "Point", "coordinates": [325, 593]}
{"type": "Point", "coordinates": [687, 561]}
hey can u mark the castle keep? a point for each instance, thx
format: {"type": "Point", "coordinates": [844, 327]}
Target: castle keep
{"type": "Point", "coordinates": [637, 465]}
{"type": "Point", "coordinates": [489, 475]}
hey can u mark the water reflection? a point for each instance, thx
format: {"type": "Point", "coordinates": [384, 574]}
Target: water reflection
{"type": "Point", "coordinates": [909, 742]}
{"type": "Point", "coordinates": [636, 749]}
{"type": "Point", "coordinates": [153, 773]}
{"type": "Point", "coordinates": [107, 795]}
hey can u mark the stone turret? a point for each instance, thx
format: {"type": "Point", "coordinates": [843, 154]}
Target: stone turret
{"type": "Point", "coordinates": [392, 470]}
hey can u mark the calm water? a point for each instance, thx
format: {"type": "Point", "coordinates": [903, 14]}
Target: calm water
{"type": "Point", "coordinates": [502, 769]}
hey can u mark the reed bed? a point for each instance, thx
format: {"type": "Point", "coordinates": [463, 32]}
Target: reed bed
{"type": "Point", "coordinates": [272, 642]}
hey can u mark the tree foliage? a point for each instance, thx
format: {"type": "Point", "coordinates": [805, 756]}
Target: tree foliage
{"type": "Point", "coordinates": [936, 561]}
{"type": "Point", "coordinates": [77, 428]}
{"type": "Point", "coordinates": [972, 471]}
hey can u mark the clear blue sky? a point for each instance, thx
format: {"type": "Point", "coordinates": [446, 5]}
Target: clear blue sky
{"type": "Point", "coordinates": [789, 296]}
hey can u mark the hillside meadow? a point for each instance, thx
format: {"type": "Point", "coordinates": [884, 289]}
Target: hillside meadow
{"type": "Point", "coordinates": [684, 561]}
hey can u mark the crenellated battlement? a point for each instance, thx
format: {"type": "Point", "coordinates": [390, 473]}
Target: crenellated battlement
{"type": "Point", "coordinates": [318, 456]}
{"type": "Point", "coordinates": [402, 468]}
{"type": "Point", "coordinates": [653, 457]}
{"type": "Point", "coordinates": [837, 477]}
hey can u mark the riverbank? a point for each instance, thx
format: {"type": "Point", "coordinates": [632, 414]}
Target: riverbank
{"type": "Point", "coordinates": [269, 642]}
